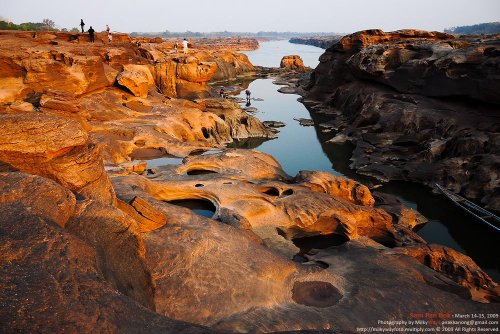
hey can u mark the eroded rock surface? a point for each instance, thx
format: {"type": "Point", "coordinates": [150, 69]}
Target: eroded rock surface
{"type": "Point", "coordinates": [293, 62]}
{"type": "Point", "coordinates": [419, 106]}
{"type": "Point", "coordinates": [118, 249]}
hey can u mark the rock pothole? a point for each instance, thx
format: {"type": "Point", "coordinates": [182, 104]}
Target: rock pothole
{"type": "Point", "coordinates": [315, 294]}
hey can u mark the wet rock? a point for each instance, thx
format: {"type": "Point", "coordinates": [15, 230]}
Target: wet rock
{"type": "Point", "coordinates": [274, 124]}
{"type": "Point", "coordinates": [305, 121]}
{"type": "Point", "coordinates": [287, 90]}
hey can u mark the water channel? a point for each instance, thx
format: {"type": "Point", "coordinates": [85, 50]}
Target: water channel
{"type": "Point", "coordinates": [303, 148]}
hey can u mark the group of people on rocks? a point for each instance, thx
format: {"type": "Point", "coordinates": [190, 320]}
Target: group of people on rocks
{"type": "Point", "coordinates": [222, 94]}
{"type": "Point", "coordinates": [91, 32]}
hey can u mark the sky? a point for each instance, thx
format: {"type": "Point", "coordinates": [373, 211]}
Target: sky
{"type": "Point", "coordinates": [341, 16]}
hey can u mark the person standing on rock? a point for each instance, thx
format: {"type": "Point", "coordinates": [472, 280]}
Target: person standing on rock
{"type": "Point", "coordinates": [91, 34]}
{"type": "Point", "coordinates": [176, 46]}
{"type": "Point", "coordinates": [107, 29]}
{"type": "Point", "coordinates": [221, 93]}
{"type": "Point", "coordinates": [82, 24]}
{"type": "Point", "coordinates": [185, 46]}
{"type": "Point", "coordinates": [247, 93]}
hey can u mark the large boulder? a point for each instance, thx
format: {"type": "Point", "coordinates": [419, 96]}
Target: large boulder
{"type": "Point", "coordinates": [293, 62]}
{"type": "Point", "coordinates": [137, 79]}
{"type": "Point", "coordinates": [57, 148]}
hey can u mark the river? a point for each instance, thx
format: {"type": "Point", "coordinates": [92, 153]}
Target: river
{"type": "Point", "coordinates": [303, 148]}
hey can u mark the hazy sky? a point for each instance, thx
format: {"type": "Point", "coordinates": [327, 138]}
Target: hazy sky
{"type": "Point", "coordinates": [254, 15]}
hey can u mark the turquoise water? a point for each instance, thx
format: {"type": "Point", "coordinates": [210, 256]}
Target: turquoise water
{"type": "Point", "coordinates": [303, 148]}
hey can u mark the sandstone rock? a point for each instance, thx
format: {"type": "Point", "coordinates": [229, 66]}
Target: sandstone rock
{"type": "Point", "coordinates": [456, 266]}
{"type": "Point", "coordinates": [323, 42]}
{"type": "Point", "coordinates": [274, 124]}
{"type": "Point", "coordinates": [305, 121]}
{"type": "Point", "coordinates": [137, 79]}
{"type": "Point", "coordinates": [336, 186]}
{"type": "Point", "coordinates": [56, 148]}
{"type": "Point", "coordinates": [380, 88]}
{"type": "Point", "coordinates": [43, 197]}
{"type": "Point", "coordinates": [51, 281]}
{"type": "Point", "coordinates": [293, 63]}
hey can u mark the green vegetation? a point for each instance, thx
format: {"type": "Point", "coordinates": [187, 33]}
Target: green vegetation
{"type": "Point", "coordinates": [476, 29]}
{"type": "Point", "coordinates": [46, 24]}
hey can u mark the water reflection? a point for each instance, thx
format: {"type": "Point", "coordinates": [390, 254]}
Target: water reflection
{"type": "Point", "coordinates": [304, 148]}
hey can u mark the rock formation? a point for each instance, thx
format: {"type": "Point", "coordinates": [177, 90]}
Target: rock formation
{"type": "Point", "coordinates": [419, 106]}
{"type": "Point", "coordinates": [323, 42]}
{"type": "Point", "coordinates": [92, 240]}
{"type": "Point", "coordinates": [293, 62]}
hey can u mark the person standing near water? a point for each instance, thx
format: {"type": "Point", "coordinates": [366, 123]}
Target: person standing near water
{"type": "Point", "coordinates": [185, 45]}
{"type": "Point", "coordinates": [82, 24]}
{"type": "Point", "coordinates": [91, 34]}
{"type": "Point", "coordinates": [247, 92]}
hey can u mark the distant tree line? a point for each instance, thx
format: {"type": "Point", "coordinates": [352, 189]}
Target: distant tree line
{"type": "Point", "coordinates": [46, 24]}
{"type": "Point", "coordinates": [476, 29]}
{"type": "Point", "coordinates": [223, 34]}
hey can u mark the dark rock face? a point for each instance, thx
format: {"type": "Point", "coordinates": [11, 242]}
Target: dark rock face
{"type": "Point", "coordinates": [419, 106]}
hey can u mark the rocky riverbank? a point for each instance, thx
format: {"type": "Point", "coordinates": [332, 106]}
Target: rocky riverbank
{"type": "Point", "coordinates": [323, 42]}
{"type": "Point", "coordinates": [94, 240]}
{"type": "Point", "coordinates": [419, 106]}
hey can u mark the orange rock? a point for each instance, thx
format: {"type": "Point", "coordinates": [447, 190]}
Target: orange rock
{"type": "Point", "coordinates": [56, 148]}
{"type": "Point", "coordinates": [292, 62]}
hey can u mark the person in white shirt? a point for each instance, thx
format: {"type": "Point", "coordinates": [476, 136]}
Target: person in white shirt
{"type": "Point", "coordinates": [185, 45]}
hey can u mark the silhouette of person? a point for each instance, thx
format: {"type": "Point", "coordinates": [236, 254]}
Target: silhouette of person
{"type": "Point", "coordinates": [247, 93]}
{"type": "Point", "coordinates": [91, 34]}
{"type": "Point", "coordinates": [82, 24]}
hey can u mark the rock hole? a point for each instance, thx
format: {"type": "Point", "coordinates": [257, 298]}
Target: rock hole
{"type": "Point", "coordinates": [222, 117]}
{"type": "Point", "coordinates": [199, 185]}
{"type": "Point", "coordinates": [199, 206]}
{"type": "Point", "coordinates": [287, 192]}
{"type": "Point", "coordinates": [315, 293]}
{"type": "Point", "coordinates": [322, 264]}
{"type": "Point", "coordinates": [271, 191]}
{"type": "Point", "coordinates": [300, 258]}
{"type": "Point", "coordinates": [281, 232]}
{"type": "Point", "coordinates": [200, 172]}
{"type": "Point", "coordinates": [140, 143]}
{"type": "Point", "coordinates": [319, 242]}
{"type": "Point", "coordinates": [205, 133]}
{"type": "Point", "coordinates": [244, 121]}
